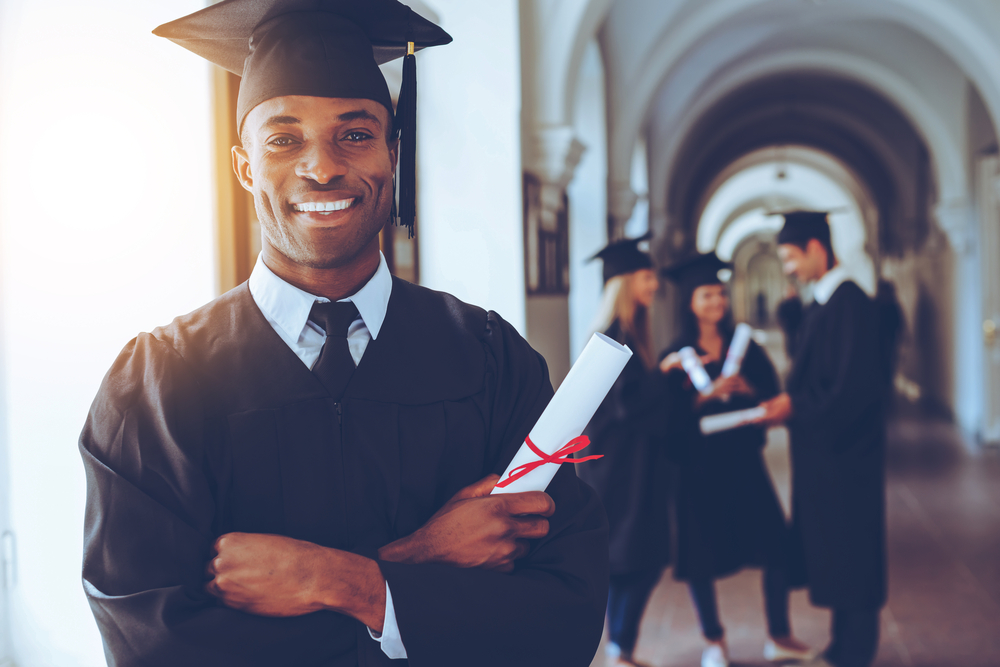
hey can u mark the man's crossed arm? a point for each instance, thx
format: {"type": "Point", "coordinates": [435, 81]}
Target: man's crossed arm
{"type": "Point", "coordinates": [271, 575]}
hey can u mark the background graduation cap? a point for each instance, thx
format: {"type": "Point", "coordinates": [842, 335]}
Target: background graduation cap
{"type": "Point", "coordinates": [697, 270]}
{"type": "Point", "coordinates": [319, 48]}
{"type": "Point", "coordinates": [625, 256]}
{"type": "Point", "coordinates": [800, 226]}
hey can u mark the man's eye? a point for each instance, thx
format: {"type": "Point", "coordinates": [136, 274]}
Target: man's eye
{"type": "Point", "coordinates": [358, 136]}
{"type": "Point", "coordinates": [280, 142]}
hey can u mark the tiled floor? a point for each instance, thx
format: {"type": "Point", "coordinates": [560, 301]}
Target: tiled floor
{"type": "Point", "coordinates": [944, 567]}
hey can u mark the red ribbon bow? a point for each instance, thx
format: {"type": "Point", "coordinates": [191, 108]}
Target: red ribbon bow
{"type": "Point", "coordinates": [561, 456]}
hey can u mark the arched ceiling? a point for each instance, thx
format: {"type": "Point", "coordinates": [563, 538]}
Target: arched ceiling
{"type": "Point", "coordinates": [832, 115]}
{"type": "Point", "coordinates": [664, 58]}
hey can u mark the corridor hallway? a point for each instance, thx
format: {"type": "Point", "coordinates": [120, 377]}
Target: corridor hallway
{"type": "Point", "coordinates": [943, 504]}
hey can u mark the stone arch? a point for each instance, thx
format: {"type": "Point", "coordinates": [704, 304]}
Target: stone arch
{"type": "Point", "coordinates": [940, 23]}
{"type": "Point", "coordinates": [947, 158]}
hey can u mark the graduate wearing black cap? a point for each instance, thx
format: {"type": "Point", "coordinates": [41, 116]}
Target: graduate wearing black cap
{"type": "Point", "coordinates": [629, 428]}
{"type": "Point", "coordinates": [269, 476]}
{"type": "Point", "coordinates": [833, 409]}
{"type": "Point", "coordinates": [727, 513]}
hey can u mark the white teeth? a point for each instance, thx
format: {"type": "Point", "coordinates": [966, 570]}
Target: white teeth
{"type": "Point", "coordinates": [323, 206]}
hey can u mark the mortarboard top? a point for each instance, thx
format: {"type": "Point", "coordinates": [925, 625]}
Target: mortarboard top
{"type": "Point", "coordinates": [621, 257]}
{"type": "Point", "coordinates": [800, 226]}
{"type": "Point", "coordinates": [696, 271]}
{"type": "Point", "coordinates": [317, 48]}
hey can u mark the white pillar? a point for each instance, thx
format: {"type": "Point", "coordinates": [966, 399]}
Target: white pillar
{"type": "Point", "coordinates": [955, 219]}
{"type": "Point", "coordinates": [469, 158]}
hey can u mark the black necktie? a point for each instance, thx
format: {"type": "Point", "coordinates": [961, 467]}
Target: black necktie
{"type": "Point", "coordinates": [335, 365]}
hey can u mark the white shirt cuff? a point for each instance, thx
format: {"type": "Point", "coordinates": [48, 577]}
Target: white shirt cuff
{"type": "Point", "coordinates": [392, 643]}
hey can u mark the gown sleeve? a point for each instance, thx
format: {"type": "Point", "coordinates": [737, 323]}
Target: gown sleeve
{"type": "Point", "coordinates": [759, 372]}
{"type": "Point", "coordinates": [851, 346]}
{"type": "Point", "coordinates": [148, 529]}
{"type": "Point", "coordinates": [550, 609]}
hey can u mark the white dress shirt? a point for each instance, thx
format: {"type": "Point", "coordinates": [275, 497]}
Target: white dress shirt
{"type": "Point", "coordinates": [824, 288]}
{"type": "Point", "coordinates": [286, 308]}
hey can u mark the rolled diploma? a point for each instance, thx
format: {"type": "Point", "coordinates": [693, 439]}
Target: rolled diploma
{"type": "Point", "coordinates": [727, 421]}
{"type": "Point", "coordinates": [737, 350]}
{"type": "Point", "coordinates": [693, 367]}
{"type": "Point", "coordinates": [570, 410]}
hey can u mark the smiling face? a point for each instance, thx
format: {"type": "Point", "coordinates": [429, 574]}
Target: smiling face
{"type": "Point", "coordinates": [709, 303]}
{"type": "Point", "coordinates": [806, 264]}
{"type": "Point", "coordinates": [320, 170]}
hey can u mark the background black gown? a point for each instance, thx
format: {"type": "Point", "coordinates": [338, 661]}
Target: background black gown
{"type": "Point", "coordinates": [630, 429]}
{"type": "Point", "coordinates": [727, 514]}
{"type": "Point", "coordinates": [838, 451]}
{"type": "Point", "coordinates": [212, 424]}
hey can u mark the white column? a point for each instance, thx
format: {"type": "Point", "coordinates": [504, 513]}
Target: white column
{"type": "Point", "coordinates": [989, 249]}
{"type": "Point", "coordinates": [621, 204]}
{"type": "Point", "coordinates": [469, 158]}
{"type": "Point", "coordinates": [956, 220]}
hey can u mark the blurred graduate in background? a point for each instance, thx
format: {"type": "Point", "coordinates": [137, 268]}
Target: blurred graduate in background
{"type": "Point", "coordinates": [629, 429]}
{"type": "Point", "coordinates": [834, 411]}
{"type": "Point", "coordinates": [727, 513]}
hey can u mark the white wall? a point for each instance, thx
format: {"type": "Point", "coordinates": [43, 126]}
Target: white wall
{"type": "Point", "coordinates": [105, 230]}
{"type": "Point", "coordinates": [469, 161]}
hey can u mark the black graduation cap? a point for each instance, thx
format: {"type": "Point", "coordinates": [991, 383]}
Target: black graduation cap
{"type": "Point", "coordinates": [319, 48]}
{"type": "Point", "coordinates": [697, 270]}
{"type": "Point", "coordinates": [800, 226]}
{"type": "Point", "coordinates": [621, 257]}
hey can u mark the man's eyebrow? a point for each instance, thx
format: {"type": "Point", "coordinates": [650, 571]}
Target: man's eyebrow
{"type": "Point", "coordinates": [360, 114]}
{"type": "Point", "coordinates": [282, 120]}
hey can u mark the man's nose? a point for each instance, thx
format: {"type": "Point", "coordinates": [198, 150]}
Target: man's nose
{"type": "Point", "coordinates": [321, 163]}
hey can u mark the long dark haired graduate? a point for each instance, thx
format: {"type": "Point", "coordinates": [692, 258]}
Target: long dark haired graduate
{"type": "Point", "coordinates": [727, 513]}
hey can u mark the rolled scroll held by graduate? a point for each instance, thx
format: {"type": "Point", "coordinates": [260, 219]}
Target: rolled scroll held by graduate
{"type": "Point", "coordinates": [299, 472]}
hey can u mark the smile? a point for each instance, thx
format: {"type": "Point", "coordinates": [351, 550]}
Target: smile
{"type": "Point", "coordinates": [323, 206]}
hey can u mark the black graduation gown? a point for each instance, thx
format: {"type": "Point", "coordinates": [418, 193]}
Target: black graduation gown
{"type": "Point", "coordinates": [727, 513]}
{"type": "Point", "coordinates": [790, 314]}
{"type": "Point", "coordinates": [212, 424]}
{"type": "Point", "coordinates": [629, 429]}
{"type": "Point", "coordinates": [838, 452]}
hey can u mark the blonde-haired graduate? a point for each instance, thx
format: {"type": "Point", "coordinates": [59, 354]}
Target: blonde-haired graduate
{"type": "Point", "coordinates": [629, 429]}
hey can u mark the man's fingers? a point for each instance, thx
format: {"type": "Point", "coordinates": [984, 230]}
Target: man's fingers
{"type": "Point", "coordinates": [210, 570]}
{"type": "Point", "coordinates": [530, 502]}
{"type": "Point", "coordinates": [479, 489]}
{"type": "Point", "coordinates": [531, 527]}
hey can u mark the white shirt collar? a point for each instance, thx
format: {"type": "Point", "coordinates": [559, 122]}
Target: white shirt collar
{"type": "Point", "coordinates": [824, 288]}
{"type": "Point", "coordinates": [288, 306]}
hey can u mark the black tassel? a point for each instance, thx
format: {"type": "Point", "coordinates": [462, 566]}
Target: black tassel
{"type": "Point", "coordinates": [406, 122]}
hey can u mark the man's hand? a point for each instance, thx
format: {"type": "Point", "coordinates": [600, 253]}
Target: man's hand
{"type": "Point", "coordinates": [475, 529]}
{"type": "Point", "coordinates": [271, 575]}
{"type": "Point", "coordinates": [779, 410]}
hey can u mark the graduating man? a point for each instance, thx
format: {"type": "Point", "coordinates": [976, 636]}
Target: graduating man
{"type": "Point", "coordinates": [833, 409]}
{"type": "Point", "coordinates": [298, 473]}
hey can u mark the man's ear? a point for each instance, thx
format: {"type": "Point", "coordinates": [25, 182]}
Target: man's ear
{"type": "Point", "coordinates": [818, 250]}
{"type": "Point", "coordinates": [241, 165]}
